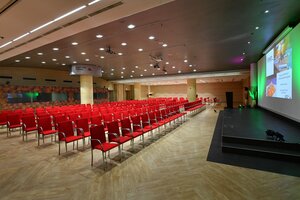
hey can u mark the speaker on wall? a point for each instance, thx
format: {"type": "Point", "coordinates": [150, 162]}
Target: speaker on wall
{"type": "Point", "coordinates": [229, 99]}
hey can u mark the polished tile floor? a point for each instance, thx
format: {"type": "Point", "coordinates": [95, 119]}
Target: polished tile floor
{"type": "Point", "coordinates": [171, 167]}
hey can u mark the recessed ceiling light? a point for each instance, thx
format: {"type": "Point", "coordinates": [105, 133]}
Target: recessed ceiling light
{"type": "Point", "coordinates": [151, 37]}
{"type": "Point", "coordinates": [83, 53]}
{"type": "Point", "coordinates": [55, 49]}
{"type": "Point", "coordinates": [122, 76]}
{"type": "Point", "coordinates": [190, 65]}
{"type": "Point", "coordinates": [145, 70]}
{"type": "Point", "coordinates": [242, 59]}
{"type": "Point", "coordinates": [131, 76]}
{"type": "Point", "coordinates": [165, 45]}
{"type": "Point", "coordinates": [141, 75]}
{"type": "Point", "coordinates": [131, 26]}
{"type": "Point", "coordinates": [17, 60]}
{"type": "Point", "coordinates": [132, 71]}
{"type": "Point", "coordinates": [194, 70]}
{"type": "Point", "coordinates": [27, 57]}
{"type": "Point", "coordinates": [63, 64]}
{"type": "Point", "coordinates": [179, 72]}
{"type": "Point", "coordinates": [173, 67]}
{"type": "Point", "coordinates": [87, 60]}
{"type": "Point", "coordinates": [122, 72]}
{"type": "Point", "coordinates": [101, 49]}
{"type": "Point", "coordinates": [266, 11]}
{"type": "Point", "coordinates": [249, 42]}
{"type": "Point", "coordinates": [54, 59]}
{"type": "Point", "coordinates": [166, 72]}
{"type": "Point", "coordinates": [185, 61]}
{"type": "Point", "coordinates": [43, 62]}
{"type": "Point", "coordinates": [153, 74]}
{"type": "Point", "coordinates": [102, 57]}
{"type": "Point", "coordinates": [40, 53]}
{"type": "Point", "coordinates": [112, 69]}
{"type": "Point", "coordinates": [167, 63]}
{"type": "Point", "coordinates": [102, 71]}
{"type": "Point", "coordinates": [136, 66]}
{"type": "Point", "coordinates": [158, 68]}
{"type": "Point", "coordinates": [99, 36]}
{"type": "Point", "coordinates": [140, 49]}
{"type": "Point", "coordinates": [74, 43]}
{"type": "Point", "coordinates": [74, 62]}
{"type": "Point", "coordinates": [67, 56]}
{"type": "Point", "coordinates": [112, 74]}
{"type": "Point", "coordinates": [257, 27]}
{"type": "Point", "coordinates": [123, 68]}
{"type": "Point", "coordinates": [120, 54]}
{"type": "Point", "coordinates": [123, 43]}
{"type": "Point", "coordinates": [151, 65]}
{"type": "Point", "coordinates": [244, 53]}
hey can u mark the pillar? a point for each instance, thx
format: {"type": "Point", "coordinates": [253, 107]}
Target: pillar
{"type": "Point", "coordinates": [120, 92]}
{"type": "Point", "coordinates": [137, 91]}
{"type": "Point", "coordinates": [191, 89]}
{"type": "Point", "coordinates": [86, 89]}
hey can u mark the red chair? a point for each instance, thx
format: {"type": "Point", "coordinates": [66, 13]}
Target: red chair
{"type": "Point", "coordinates": [114, 134]}
{"type": "Point", "coordinates": [82, 127]}
{"type": "Point", "coordinates": [45, 128]}
{"type": "Point", "coordinates": [28, 125]}
{"type": "Point", "coordinates": [67, 135]}
{"type": "Point", "coordinates": [126, 130]}
{"type": "Point", "coordinates": [137, 126]}
{"type": "Point", "coordinates": [146, 124]}
{"type": "Point", "coordinates": [59, 118]}
{"type": "Point", "coordinates": [73, 116]}
{"type": "Point", "coordinates": [13, 122]}
{"type": "Point", "coordinates": [118, 116]}
{"type": "Point", "coordinates": [98, 141]}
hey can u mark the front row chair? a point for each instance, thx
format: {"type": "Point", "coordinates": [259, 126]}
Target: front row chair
{"type": "Point", "coordinates": [99, 142]}
{"type": "Point", "coordinates": [28, 125]}
{"type": "Point", "coordinates": [13, 122]}
{"type": "Point", "coordinates": [45, 128]}
{"type": "Point", "coordinates": [66, 134]}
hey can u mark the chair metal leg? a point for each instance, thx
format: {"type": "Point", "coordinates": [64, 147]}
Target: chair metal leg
{"type": "Point", "coordinates": [43, 139]}
{"type": "Point", "coordinates": [92, 160]}
{"type": "Point", "coordinates": [58, 147]}
{"type": "Point", "coordinates": [38, 138]}
{"type": "Point", "coordinates": [66, 145]}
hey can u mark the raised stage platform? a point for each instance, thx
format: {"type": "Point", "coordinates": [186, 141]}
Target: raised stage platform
{"type": "Point", "coordinates": [243, 132]}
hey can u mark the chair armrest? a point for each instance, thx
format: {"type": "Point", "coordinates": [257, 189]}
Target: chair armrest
{"type": "Point", "coordinates": [24, 126]}
{"type": "Point", "coordinates": [97, 140]}
{"type": "Point", "coordinates": [63, 134]}
{"type": "Point", "coordinates": [116, 135]}
{"type": "Point", "coordinates": [128, 129]}
{"type": "Point", "coordinates": [137, 125]}
{"type": "Point", "coordinates": [79, 131]}
{"type": "Point", "coordinates": [40, 129]}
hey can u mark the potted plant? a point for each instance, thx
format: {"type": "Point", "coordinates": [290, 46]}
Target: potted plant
{"type": "Point", "coordinates": [253, 96]}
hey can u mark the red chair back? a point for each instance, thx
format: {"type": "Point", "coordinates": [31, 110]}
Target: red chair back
{"type": "Point", "coordinates": [45, 123]}
{"type": "Point", "coordinates": [29, 121]}
{"type": "Point", "coordinates": [126, 124]}
{"type": "Point", "coordinates": [83, 123]}
{"type": "Point", "coordinates": [14, 119]}
{"type": "Point", "coordinates": [97, 132]}
{"type": "Point", "coordinates": [113, 127]}
{"type": "Point", "coordinates": [3, 119]}
{"type": "Point", "coordinates": [66, 128]}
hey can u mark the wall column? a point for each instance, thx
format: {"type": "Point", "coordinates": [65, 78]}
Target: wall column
{"type": "Point", "coordinates": [86, 89]}
{"type": "Point", "coordinates": [137, 91]}
{"type": "Point", "coordinates": [191, 89]}
{"type": "Point", "coordinates": [120, 92]}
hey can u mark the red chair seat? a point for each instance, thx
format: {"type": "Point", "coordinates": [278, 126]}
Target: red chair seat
{"type": "Point", "coordinates": [133, 134]}
{"type": "Point", "coordinates": [31, 129]}
{"type": "Point", "coordinates": [15, 126]}
{"type": "Point", "coordinates": [71, 138]}
{"type": "Point", "coordinates": [86, 134]}
{"type": "Point", "coordinates": [106, 146]}
{"type": "Point", "coordinates": [3, 123]}
{"type": "Point", "coordinates": [121, 139]}
{"type": "Point", "coordinates": [48, 132]}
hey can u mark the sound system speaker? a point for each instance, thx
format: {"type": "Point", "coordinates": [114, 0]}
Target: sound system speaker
{"type": "Point", "coordinates": [229, 99]}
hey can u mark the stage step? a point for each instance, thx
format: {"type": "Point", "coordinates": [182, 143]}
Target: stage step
{"type": "Point", "coordinates": [263, 151]}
